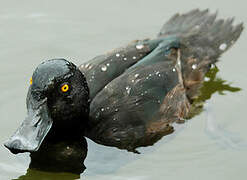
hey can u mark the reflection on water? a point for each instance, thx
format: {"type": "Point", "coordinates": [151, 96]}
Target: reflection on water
{"type": "Point", "coordinates": [39, 166]}
{"type": "Point", "coordinates": [215, 131]}
{"type": "Point", "coordinates": [40, 175]}
{"type": "Point", "coordinates": [212, 84]}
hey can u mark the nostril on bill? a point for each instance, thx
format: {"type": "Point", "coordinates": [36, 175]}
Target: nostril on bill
{"type": "Point", "coordinates": [15, 146]}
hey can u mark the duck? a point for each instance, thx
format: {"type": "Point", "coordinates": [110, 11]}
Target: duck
{"type": "Point", "coordinates": [129, 97]}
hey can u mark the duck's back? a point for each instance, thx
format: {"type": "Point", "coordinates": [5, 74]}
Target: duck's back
{"type": "Point", "coordinates": [142, 89]}
{"type": "Point", "coordinates": [104, 68]}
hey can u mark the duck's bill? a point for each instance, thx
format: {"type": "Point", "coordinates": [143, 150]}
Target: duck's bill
{"type": "Point", "coordinates": [29, 136]}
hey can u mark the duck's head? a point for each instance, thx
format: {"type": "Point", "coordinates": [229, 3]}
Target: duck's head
{"type": "Point", "coordinates": [57, 102]}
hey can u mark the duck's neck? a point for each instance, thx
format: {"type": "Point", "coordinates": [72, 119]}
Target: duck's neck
{"type": "Point", "coordinates": [64, 156]}
{"type": "Point", "coordinates": [71, 130]}
{"type": "Point", "coordinates": [64, 148]}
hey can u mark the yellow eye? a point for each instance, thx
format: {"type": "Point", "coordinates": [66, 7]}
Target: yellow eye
{"type": "Point", "coordinates": [31, 81]}
{"type": "Point", "coordinates": [65, 88]}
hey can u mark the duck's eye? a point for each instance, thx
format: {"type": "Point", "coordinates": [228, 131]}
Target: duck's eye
{"type": "Point", "coordinates": [64, 87]}
{"type": "Point", "coordinates": [31, 81]}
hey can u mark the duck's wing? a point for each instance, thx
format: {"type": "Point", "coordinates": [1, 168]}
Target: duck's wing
{"type": "Point", "coordinates": [104, 68]}
{"type": "Point", "coordinates": [137, 108]}
{"type": "Point", "coordinates": [204, 37]}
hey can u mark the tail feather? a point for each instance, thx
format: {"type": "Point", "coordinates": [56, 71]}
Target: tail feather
{"type": "Point", "coordinates": [203, 39]}
{"type": "Point", "coordinates": [203, 32]}
{"type": "Point", "coordinates": [181, 25]}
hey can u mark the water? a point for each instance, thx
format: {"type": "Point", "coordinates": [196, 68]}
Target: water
{"type": "Point", "coordinates": [212, 145]}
